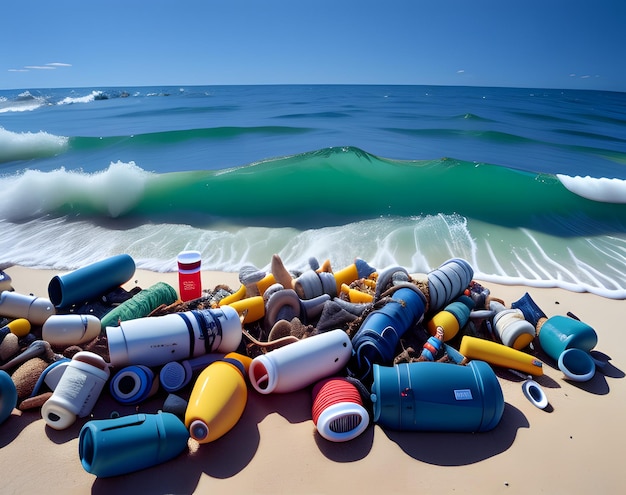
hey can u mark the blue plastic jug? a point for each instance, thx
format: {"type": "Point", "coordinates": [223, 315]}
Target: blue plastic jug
{"type": "Point", "coordinates": [436, 396]}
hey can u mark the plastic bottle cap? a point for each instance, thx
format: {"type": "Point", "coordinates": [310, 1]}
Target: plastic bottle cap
{"type": "Point", "coordinates": [173, 376]}
{"type": "Point", "coordinates": [534, 393]}
{"type": "Point", "coordinates": [132, 384]}
{"type": "Point", "coordinates": [198, 430]}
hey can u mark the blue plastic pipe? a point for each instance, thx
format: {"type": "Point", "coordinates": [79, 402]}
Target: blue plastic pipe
{"type": "Point", "coordinates": [90, 281]}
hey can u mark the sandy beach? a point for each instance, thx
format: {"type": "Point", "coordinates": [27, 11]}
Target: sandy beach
{"type": "Point", "coordinates": [574, 446]}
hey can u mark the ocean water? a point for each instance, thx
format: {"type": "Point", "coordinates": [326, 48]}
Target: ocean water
{"type": "Point", "coordinates": [528, 185]}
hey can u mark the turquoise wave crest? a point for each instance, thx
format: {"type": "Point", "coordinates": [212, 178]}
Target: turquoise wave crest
{"type": "Point", "coordinates": [332, 186]}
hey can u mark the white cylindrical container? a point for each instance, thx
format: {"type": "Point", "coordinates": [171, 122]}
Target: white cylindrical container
{"type": "Point", "coordinates": [77, 391]}
{"type": "Point", "coordinates": [514, 331]}
{"type": "Point", "coordinates": [70, 329]}
{"type": "Point", "coordinates": [157, 340]}
{"type": "Point", "coordinates": [35, 309]}
{"type": "Point", "coordinates": [298, 365]}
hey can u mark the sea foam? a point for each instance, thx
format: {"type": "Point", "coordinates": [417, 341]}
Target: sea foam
{"type": "Point", "coordinates": [597, 189]}
{"type": "Point", "coordinates": [29, 145]}
{"type": "Point", "coordinates": [33, 193]}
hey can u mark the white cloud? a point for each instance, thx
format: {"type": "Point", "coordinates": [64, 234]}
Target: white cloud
{"type": "Point", "coordinates": [50, 66]}
{"type": "Point", "coordinates": [460, 71]}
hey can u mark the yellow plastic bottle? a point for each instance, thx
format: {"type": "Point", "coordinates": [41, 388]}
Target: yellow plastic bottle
{"type": "Point", "coordinates": [500, 355]}
{"type": "Point", "coordinates": [218, 398]}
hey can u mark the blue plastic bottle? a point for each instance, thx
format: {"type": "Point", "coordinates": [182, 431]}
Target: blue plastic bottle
{"type": "Point", "coordinates": [378, 336]}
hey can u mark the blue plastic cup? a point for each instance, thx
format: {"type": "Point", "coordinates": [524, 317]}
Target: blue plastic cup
{"type": "Point", "coordinates": [435, 396]}
{"type": "Point", "coordinates": [577, 365]}
{"type": "Point", "coordinates": [90, 281]}
{"type": "Point", "coordinates": [559, 333]}
{"type": "Point", "coordinates": [112, 447]}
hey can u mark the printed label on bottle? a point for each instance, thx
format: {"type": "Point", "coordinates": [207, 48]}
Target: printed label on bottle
{"type": "Point", "coordinates": [463, 394]}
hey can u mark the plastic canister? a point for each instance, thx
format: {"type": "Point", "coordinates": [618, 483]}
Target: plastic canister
{"type": "Point", "coordinates": [189, 275]}
{"type": "Point", "coordinates": [435, 396]}
{"type": "Point", "coordinates": [35, 309]}
{"type": "Point", "coordinates": [90, 281]}
{"type": "Point", "coordinates": [218, 398]}
{"type": "Point", "coordinates": [381, 330]}
{"type": "Point", "coordinates": [559, 333]}
{"type": "Point", "coordinates": [157, 340]}
{"type": "Point", "coordinates": [77, 391]}
{"type": "Point", "coordinates": [70, 329]}
{"type": "Point", "coordinates": [112, 447]}
{"type": "Point", "coordinates": [300, 364]}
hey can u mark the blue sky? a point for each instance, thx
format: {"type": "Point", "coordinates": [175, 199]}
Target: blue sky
{"type": "Point", "coordinates": [523, 43]}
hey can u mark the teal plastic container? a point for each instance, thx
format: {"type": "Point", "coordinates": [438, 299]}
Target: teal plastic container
{"type": "Point", "coordinates": [90, 281]}
{"type": "Point", "coordinates": [8, 396]}
{"type": "Point", "coordinates": [559, 333]}
{"type": "Point", "coordinates": [434, 396]}
{"type": "Point", "coordinates": [112, 447]}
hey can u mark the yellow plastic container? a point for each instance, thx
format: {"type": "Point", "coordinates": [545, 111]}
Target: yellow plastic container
{"type": "Point", "coordinates": [218, 398]}
{"type": "Point", "coordinates": [356, 296]}
{"type": "Point", "coordinates": [266, 282]}
{"type": "Point", "coordinates": [346, 276]}
{"type": "Point", "coordinates": [19, 327]}
{"type": "Point", "coordinates": [252, 308]}
{"type": "Point", "coordinates": [445, 320]}
{"type": "Point", "coordinates": [235, 296]}
{"type": "Point", "coordinates": [500, 355]}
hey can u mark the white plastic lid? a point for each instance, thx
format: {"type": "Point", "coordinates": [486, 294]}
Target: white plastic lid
{"type": "Point", "coordinates": [185, 258]}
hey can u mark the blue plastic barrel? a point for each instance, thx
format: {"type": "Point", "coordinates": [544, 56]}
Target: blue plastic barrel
{"type": "Point", "coordinates": [435, 396]}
